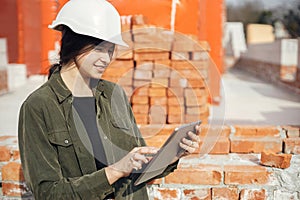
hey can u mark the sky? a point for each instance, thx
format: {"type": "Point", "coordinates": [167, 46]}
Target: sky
{"type": "Point", "coordinates": [269, 4]}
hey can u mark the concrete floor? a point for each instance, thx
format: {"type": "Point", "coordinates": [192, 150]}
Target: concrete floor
{"type": "Point", "coordinates": [245, 100]}
{"type": "Point", "coordinates": [249, 100]}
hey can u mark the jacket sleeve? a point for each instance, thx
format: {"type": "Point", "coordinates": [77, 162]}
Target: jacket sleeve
{"type": "Point", "coordinates": [41, 167]}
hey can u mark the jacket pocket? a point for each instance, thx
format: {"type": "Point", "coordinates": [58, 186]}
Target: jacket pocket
{"type": "Point", "coordinates": [60, 138]}
{"type": "Point", "coordinates": [120, 123]}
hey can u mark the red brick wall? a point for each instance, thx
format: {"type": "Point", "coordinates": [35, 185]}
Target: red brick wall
{"type": "Point", "coordinates": [246, 162]}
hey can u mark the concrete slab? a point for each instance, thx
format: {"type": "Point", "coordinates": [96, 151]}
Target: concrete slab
{"type": "Point", "coordinates": [249, 100]}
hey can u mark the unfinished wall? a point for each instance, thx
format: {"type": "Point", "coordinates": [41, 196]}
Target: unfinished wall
{"type": "Point", "coordinates": [237, 168]}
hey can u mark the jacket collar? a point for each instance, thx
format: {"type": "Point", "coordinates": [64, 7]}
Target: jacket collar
{"type": "Point", "coordinates": [61, 90]}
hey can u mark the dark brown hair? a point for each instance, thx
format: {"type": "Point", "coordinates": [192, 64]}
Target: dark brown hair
{"type": "Point", "coordinates": [72, 45]}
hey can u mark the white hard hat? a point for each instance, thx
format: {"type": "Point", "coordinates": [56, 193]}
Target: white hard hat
{"type": "Point", "coordinates": [96, 18]}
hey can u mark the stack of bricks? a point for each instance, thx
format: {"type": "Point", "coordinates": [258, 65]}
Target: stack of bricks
{"type": "Point", "coordinates": [164, 74]}
{"type": "Point", "coordinates": [3, 67]}
{"type": "Point", "coordinates": [233, 162]}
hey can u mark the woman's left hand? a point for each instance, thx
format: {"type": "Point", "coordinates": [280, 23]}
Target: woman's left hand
{"type": "Point", "coordinates": [191, 144]}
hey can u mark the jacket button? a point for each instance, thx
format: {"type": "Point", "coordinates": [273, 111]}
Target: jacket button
{"type": "Point", "coordinates": [66, 141]}
{"type": "Point", "coordinates": [105, 137]}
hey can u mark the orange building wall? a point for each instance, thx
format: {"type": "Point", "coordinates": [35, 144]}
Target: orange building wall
{"type": "Point", "coordinates": [157, 12]}
{"type": "Point", "coordinates": [203, 18]}
{"type": "Point", "coordinates": [29, 34]}
{"type": "Point", "coordinates": [9, 27]}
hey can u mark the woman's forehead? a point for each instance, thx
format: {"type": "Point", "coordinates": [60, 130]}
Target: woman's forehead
{"type": "Point", "coordinates": [106, 44]}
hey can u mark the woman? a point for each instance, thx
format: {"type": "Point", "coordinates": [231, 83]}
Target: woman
{"type": "Point", "coordinates": [77, 134]}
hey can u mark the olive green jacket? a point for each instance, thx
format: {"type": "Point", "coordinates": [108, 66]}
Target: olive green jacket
{"type": "Point", "coordinates": [56, 153]}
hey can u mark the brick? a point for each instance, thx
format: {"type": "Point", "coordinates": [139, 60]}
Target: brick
{"type": "Point", "coordinates": [194, 176]}
{"type": "Point", "coordinates": [142, 91]}
{"type": "Point", "coordinates": [197, 83]}
{"type": "Point", "coordinates": [138, 22]}
{"type": "Point", "coordinates": [151, 55]}
{"type": "Point", "coordinates": [123, 80]}
{"type": "Point", "coordinates": [141, 118]}
{"type": "Point", "coordinates": [195, 92]}
{"type": "Point", "coordinates": [178, 82]}
{"type": "Point", "coordinates": [146, 43]}
{"type": "Point", "coordinates": [197, 194]}
{"type": "Point", "coordinates": [181, 64]}
{"type": "Point", "coordinates": [175, 92]}
{"type": "Point", "coordinates": [215, 130]}
{"type": "Point", "coordinates": [214, 145]}
{"type": "Point", "coordinates": [276, 160]}
{"type": "Point", "coordinates": [16, 154]}
{"type": "Point", "coordinates": [160, 82]}
{"type": "Point", "coordinates": [255, 145]}
{"type": "Point", "coordinates": [12, 172]}
{"type": "Point", "coordinates": [14, 189]}
{"type": "Point", "coordinates": [196, 101]}
{"type": "Point", "coordinates": [191, 74]}
{"type": "Point", "coordinates": [5, 154]}
{"type": "Point", "coordinates": [139, 99]}
{"type": "Point", "coordinates": [162, 73]}
{"type": "Point", "coordinates": [175, 101]}
{"type": "Point", "coordinates": [155, 182]}
{"type": "Point", "coordinates": [253, 194]}
{"type": "Point", "coordinates": [157, 129]}
{"type": "Point", "coordinates": [140, 109]}
{"type": "Point", "coordinates": [200, 64]}
{"type": "Point", "coordinates": [193, 110]}
{"type": "Point", "coordinates": [141, 83]}
{"type": "Point", "coordinates": [115, 72]}
{"type": "Point", "coordinates": [123, 54]}
{"type": "Point", "coordinates": [142, 74]}
{"type": "Point", "coordinates": [166, 193]}
{"type": "Point", "coordinates": [175, 119]}
{"type": "Point", "coordinates": [175, 110]}
{"type": "Point", "coordinates": [225, 193]}
{"type": "Point", "coordinates": [180, 55]}
{"type": "Point", "coordinates": [156, 140]}
{"type": "Point", "coordinates": [292, 145]}
{"type": "Point", "coordinates": [121, 65]}
{"type": "Point", "coordinates": [157, 118]}
{"type": "Point", "coordinates": [191, 118]}
{"type": "Point", "coordinates": [144, 65]}
{"type": "Point", "coordinates": [199, 55]}
{"type": "Point", "coordinates": [162, 64]}
{"type": "Point", "coordinates": [185, 43]}
{"type": "Point", "coordinates": [243, 174]}
{"type": "Point", "coordinates": [162, 101]}
{"type": "Point", "coordinates": [292, 132]}
{"type": "Point", "coordinates": [256, 131]}
{"type": "Point", "coordinates": [157, 92]}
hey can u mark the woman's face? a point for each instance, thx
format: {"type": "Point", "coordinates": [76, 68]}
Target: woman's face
{"type": "Point", "coordinates": [92, 63]}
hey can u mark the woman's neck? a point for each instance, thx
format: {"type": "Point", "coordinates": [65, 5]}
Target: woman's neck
{"type": "Point", "coordinates": [76, 83]}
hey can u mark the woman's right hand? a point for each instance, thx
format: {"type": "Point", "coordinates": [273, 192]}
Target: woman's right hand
{"type": "Point", "coordinates": [133, 160]}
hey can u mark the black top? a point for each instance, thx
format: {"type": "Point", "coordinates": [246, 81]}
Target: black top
{"type": "Point", "coordinates": [86, 108]}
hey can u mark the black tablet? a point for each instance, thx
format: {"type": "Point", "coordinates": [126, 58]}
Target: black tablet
{"type": "Point", "coordinates": [166, 154]}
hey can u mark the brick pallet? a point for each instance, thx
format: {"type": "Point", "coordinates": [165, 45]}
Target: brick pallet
{"type": "Point", "coordinates": [164, 74]}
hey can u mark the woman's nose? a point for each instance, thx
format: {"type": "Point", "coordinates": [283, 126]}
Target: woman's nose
{"type": "Point", "coordinates": [105, 58]}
